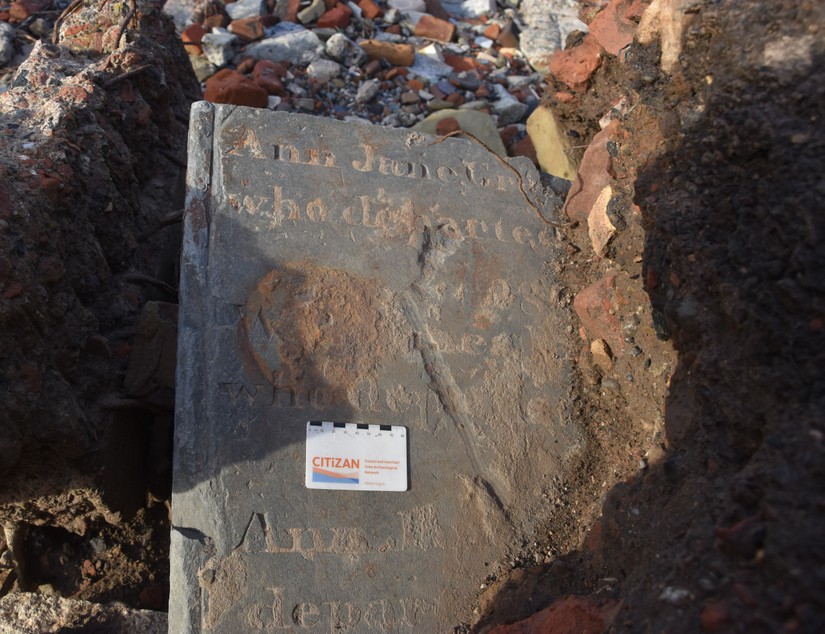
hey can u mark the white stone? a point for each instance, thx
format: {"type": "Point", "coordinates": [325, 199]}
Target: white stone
{"type": "Point", "coordinates": [297, 46]}
{"type": "Point", "coordinates": [342, 49]}
{"type": "Point", "coordinates": [218, 46]}
{"type": "Point", "coordinates": [405, 6]}
{"type": "Point", "coordinates": [470, 8]}
{"type": "Point", "coordinates": [324, 70]}
{"type": "Point", "coordinates": [244, 9]}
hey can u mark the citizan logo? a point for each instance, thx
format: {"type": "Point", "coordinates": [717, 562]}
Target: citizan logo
{"type": "Point", "coordinates": [334, 469]}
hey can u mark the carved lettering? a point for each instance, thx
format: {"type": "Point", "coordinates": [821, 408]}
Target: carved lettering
{"type": "Point", "coordinates": [379, 615]}
{"type": "Point", "coordinates": [419, 527]}
{"type": "Point", "coordinates": [306, 615]}
{"type": "Point", "coordinates": [309, 156]}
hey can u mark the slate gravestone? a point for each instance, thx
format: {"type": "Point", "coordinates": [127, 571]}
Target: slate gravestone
{"type": "Point", "coordinates": [350, 273]}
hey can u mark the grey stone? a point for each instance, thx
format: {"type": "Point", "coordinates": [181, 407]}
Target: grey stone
{"type": "Point", "coordinates": [218, 46]}
{"type": "Point", "coordinates": [367, 90]}
{"type": "Point", "coordinates": [8, 34]}
{"type": "Point", "coordinates": [203, 68]}
{"type": "Point", "coordinates": [342, 49]}
{"type": "Point", "coordinates": [353, 273]}
{"type": "Point", "coordinates": [507, 107]}
{"type": "Point", "coordinates": [314, 11]}
{"type": "Point", "coordinates": [244, 9]}
{"type": "Point", "coordinates": [324, 70]}
{"type": "Point", "coordinates": [430, 68]}
{"type": "Point", "coordinates": [299, 46]}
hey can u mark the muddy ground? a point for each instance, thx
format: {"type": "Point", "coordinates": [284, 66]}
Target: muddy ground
{"type": "Point", "coordinates": [699, 504]}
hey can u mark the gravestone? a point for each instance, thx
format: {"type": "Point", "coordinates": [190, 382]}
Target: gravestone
{"type": "Point", "coordinates": [348, 273]}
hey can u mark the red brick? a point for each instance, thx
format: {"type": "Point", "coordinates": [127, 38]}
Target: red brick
{"type": "Point", "coordinates": [598, 306]}
{"type": "Point", "coordinates": [492, 31]}
{"type": "Point", "coordinates": [526, 148]}
{"type": "Point", "coordinates": [229, 86]}
{"type": "Point", "coordinates": [395, 54]}
{"type": "Point", "coordinates": [714, 616]}
{"type": "Point", "coordinates": [336, 18]}
{"type": "Point", "coordinates": [192, 36]}
{"type": "Point", "coordinates": [435, 28]}
{"type": "Point", "coordinates": [458, 62]}
{"type": "Point", "coordinates": [575, 66]}
{"type": "Point", "coordinates": [447, 125]}
{"type": "Point", "coordinates": [248, 29]}
{"type": "Point", "coordinates": [246, 65]}
{"type": "Point", "coordinates": [369, 9]}
{"type": "Point", "coordinates": [268, 74]}
{"type": "Point", "coordinates": [593, 176]}
{"type": "Point", "coordinates": [568, 615]}
{"type": "Point", "coordinates": [611, 28]}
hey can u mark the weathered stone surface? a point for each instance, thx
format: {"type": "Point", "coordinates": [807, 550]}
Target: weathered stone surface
{"type": "Point", "coordinates": [354, 273]}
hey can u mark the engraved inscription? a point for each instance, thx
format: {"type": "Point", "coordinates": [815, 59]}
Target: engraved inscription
{"type": "Point", "coordinates": [419, 528]}
{"type": "Point", "coordinates": [380, 615]}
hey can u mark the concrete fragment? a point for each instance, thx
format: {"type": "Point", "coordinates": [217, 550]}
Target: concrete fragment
{"type": "Point", "coordinates": [299, 46]}
{"type": "Point", "coordinates": [342, 49]}
{"type": "Point", "coordinates": [218, 46]}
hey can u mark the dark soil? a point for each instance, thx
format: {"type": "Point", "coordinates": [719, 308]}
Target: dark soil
{"type": "Point", "coordinates": [721, 529]}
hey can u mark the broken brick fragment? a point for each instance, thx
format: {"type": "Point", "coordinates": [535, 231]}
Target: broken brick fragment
{"type": "Point", "coordinates": [229, 86]}
{"type": "Point", "coordinates": [435, 28]}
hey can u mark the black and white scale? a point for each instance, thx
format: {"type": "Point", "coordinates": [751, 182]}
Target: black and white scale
{"type": "Point", "coordinates": [356, 457]}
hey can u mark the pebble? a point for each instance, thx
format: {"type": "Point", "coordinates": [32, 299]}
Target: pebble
{"type": "Point", "coordinates": [367, 90]}
{"type": "Point", "coordinates": [323, 70]}
{"type": "Point", "coordinates": [389, 62]}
